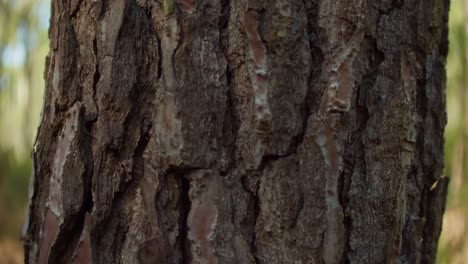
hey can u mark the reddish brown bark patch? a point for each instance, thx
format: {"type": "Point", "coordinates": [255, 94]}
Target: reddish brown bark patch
{"type": "Point", "coordinates": [187, 6]}
{"type": "Point", "coordinates": [205, 194]}
{"type": "Point", "coordinates": [49, 232]}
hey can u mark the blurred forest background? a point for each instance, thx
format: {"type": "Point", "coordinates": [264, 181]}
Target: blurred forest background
{"type": "Point", "coordinates": [24, 46]}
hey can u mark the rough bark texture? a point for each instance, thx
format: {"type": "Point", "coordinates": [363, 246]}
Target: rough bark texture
{"type": "Point", "coordinates": [217, 131]}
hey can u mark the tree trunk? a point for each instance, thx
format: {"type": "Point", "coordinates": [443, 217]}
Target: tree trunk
{"type": "Point", "coordinates": [205, 131]}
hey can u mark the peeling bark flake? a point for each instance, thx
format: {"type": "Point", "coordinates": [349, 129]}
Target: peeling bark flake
{"type": "Point", "coordinates": [169, 128]}
{"type": "Point", "coordinates": [205, 194]}
{"type": "Point", "coordinates": [53, 216]}
{"type": "Point", "coordinates": [110, 27]}
{"type": "Point", "coordinates": [258, 72]}
{"type": "Point", "coordinates": [333, 244]}
{"type": "Point", "coordinates": [336, 100]}
{"type": "Point", "coordinates": [54, 201]}
{"type": "Point", "coordinates": [48, 234]}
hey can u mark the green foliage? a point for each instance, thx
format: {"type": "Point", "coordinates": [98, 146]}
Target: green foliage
{"type": "Point", "coordinates": [454, 240]}
{"type": "Point", "coordinates": [14, 176]}
{"type": "Point", "coordinates": [168, 6]}
{"type": "Point", "coordinates": [23, 47]}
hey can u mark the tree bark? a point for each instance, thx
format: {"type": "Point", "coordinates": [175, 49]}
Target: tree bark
{"type": "Point", "coordinates": [205, 131]}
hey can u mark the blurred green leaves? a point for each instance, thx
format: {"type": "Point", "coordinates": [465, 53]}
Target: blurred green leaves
{"type": "Point", "coordinates": [23, 48]}
{"type": "Point", "coordinates": [453, 244]}
{"type": "Point", "coordinates": [14, 176]}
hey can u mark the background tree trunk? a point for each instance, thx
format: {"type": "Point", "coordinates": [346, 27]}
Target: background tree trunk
{"type": "Point", "coordinates": [216, 131]}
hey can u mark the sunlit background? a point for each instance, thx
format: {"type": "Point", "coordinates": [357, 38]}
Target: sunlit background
{"type": "Point", "coordinates": [24, 45]}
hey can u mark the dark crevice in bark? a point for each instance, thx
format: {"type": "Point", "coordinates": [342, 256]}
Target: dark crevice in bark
{"type": "Point", "coordinates": [70, 233]}
{"type": "Point", "coordinates": [443, 42]}
{"type": "Point", "coordinates": [231, 128]}
{"type": "Point", "coordinates": [88, 157]}
{"type": "Point", "coordinates": [314, 91]}
{"type": "Point", "coordinates": [224, 18]}
{"type": "Point", "coordinates": [262, 27]}
{"type": "Point", "coordinates": [159, 69]}
{"type": "Point", "coordinates": [354, 158]}
{"type": "Point", "coordinates": [118, 202]}
{"type": "Point", "coordinates": [96, 77]}
{"type": "Point", "coordinates": [256, 212]}
{"type": "Point", "coordinates": [120, 236]}
{"type": "Point", "coordinates": [73, 91]}
{"type": "Point", "coordinates": [104, 8]}
{"type": "Point", "coordinates": [310, 101]}
{"type": "Point", "coordinates": [231, 123]}
{"type": "Point", "coordinates": [67, 239]}
{"type": "Point", "coordinates": [254, 238]}
{"type": "Point", "coordinates": [184, 209]}
{"type": "Point", "coordinates": [267, 158]}
{"type": "Point", "coordinates": [97, 74]}
{"type": "Point", "coordinates": [76, 9]}
{"type": "Point", "coordinates": [138, 160]}
{"type": "Point", "coordinates": [344, 182]}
